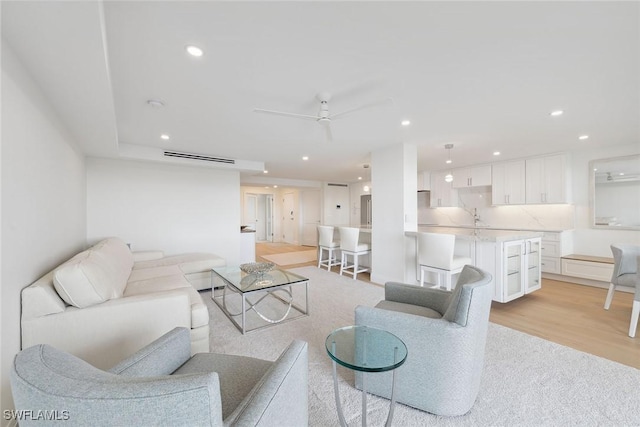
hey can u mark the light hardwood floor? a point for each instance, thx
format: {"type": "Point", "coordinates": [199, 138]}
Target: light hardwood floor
{"type": "Point", "coordinates": [565, 313]}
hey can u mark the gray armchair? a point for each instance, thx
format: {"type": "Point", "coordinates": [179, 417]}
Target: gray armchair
{"type": "Point", "coordinates": [445, 334]}
{"type": "Point", "coordinates": [162, 385]}
{"type": "Point", "coordinates": [625, 273]}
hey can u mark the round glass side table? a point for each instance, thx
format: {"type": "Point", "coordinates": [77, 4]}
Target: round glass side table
{"type": "Point", "coordinates": [365, 349]}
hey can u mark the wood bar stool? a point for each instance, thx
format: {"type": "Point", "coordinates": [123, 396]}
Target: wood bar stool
{"type": "Point", "coordinates": [349, 246]}
{"type": "Point", "coordinates": [435, 254]}
{"type": "Point", "coordinates": [326, 243]}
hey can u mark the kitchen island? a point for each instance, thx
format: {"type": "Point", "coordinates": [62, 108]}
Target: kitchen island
{"type": "Point", "coordinates": [511, 256]}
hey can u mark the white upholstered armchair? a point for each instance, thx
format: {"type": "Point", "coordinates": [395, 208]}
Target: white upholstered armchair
{"type": "Point", "coordinates": [445, 334]}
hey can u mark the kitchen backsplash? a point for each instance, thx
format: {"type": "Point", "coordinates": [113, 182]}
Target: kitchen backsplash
{"type": "Point", "coordinates": [529, 217]}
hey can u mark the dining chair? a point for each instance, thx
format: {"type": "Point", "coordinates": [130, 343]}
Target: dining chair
{"type": "Point", "coordinates": [435, 254]}
{"type": "Point", "coordinates": [626, 259]}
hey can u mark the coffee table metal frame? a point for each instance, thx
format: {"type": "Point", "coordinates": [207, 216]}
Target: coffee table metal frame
{"type": "Point", "coordinates": [269, 289]}
{"type": "Point", "coordinates": [399, 356]}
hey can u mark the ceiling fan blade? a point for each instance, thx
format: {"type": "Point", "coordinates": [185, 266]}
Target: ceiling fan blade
{"type": "Point", "coordinates": [326, 124]}
{"type": "Point", "coordinates": [281, 113]}
{"type": "Point", "coordinates": [361, 107]}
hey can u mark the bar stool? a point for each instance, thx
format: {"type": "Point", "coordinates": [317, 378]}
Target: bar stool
{"type": "Point", "coordinates": [326, 243]}
{"type": "Point", "coordinates": [435, 254]}
{"type": "Point", "coordinates": [349, 246]}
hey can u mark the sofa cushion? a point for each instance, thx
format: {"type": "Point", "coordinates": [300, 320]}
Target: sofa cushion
{"type": "Point", "coordinates": [199, 311]}
{"type": "Point", "coordinates": [153, 273]}
{"type": "Point", "coordinates": [84, 280]}
{"type": "Point", "coordinates": [188, 263]}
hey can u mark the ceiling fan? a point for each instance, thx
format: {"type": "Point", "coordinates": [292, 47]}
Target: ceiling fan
{"type": "Point", "coordinates": [324, 117]}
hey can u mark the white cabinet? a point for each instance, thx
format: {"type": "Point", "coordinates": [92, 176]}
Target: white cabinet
{"type": "Point", "coordinates": [442, 192]}
{"type": "Point", "coordinates": [515, 266]}
{"type": "Point", "coordinates": [508, 183]}
{"type": "Point", "coordinates": [546, 180]}
{"type": "Point", "coordinates": [476, 176]}
{"type": "Point", "coordinates": [424, 181]}
{"type": "Point", "coordinates": [554, 246]}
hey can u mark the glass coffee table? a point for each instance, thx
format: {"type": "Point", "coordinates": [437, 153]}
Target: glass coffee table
{"type": "Point", "coordinates": [365, 349]}
{"type": "Point", "coordinates": [255, 301]}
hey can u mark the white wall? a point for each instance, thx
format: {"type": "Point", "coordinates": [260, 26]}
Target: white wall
{"type": "Point", "coordinates": [173, 208]}
{"type": "Point", "coordinates": [43, 198]}
{"type": "Point", "coordinates": [394, 206]}
{"type": "Point", "coordinates": [336, 205]}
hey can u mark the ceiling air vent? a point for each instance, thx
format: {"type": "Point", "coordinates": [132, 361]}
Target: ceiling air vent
{"type": "Point", "coordinates": [198, 157]}
{"type": "Point", "coordinates": [336, 185]}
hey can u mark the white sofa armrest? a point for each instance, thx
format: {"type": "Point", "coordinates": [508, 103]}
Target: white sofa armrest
{"type": "Point", "coordinates": [106, 333]}
{"type": "Point", "coordinates": [147, 255]}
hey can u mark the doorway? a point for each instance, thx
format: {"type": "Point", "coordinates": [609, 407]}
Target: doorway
{"type": "Point", "coordinates": [258, 214]}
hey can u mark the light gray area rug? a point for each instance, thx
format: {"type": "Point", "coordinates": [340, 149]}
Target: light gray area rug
{"type": "Point", "coordinates": [527, 381]}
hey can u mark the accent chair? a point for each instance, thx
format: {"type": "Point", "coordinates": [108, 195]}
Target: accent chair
{"type": "Point", "coordinates": [162, 385]}
{"type": "Point", "coordinates": [445, 333]}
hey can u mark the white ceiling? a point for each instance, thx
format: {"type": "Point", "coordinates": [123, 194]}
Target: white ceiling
{"type": "Point", "coordinates": [481, 75]}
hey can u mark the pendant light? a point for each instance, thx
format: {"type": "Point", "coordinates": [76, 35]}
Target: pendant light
{"type": "Point", "coordinates": [448, 177]}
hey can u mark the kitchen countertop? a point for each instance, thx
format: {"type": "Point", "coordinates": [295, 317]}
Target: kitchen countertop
{"type": "Point", "coordinates": [479, 234]}
{"type": "Point", "coordinates": [483, 227]}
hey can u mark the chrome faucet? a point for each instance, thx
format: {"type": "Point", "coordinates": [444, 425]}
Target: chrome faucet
{"type": "Point", "coordinates": [476, 217]}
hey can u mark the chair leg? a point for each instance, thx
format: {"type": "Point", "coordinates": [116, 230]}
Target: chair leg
{"type": "Point", "coordinates": [342, 263]}
{"type": "Point", "coordinates": [355, 266]}
{"type": "Point", "coordinates": [320, 257]}
{"type": "Point", "coordinates": [635, 313]}
{"type": "Point", "coordinates": [421, 277]}
{"type": "Point", "coordinates": [447, 281]}
{"type": "Point", "coordinates": [607, 302]}
{"type": "Point", "coordinates": [330, 261]}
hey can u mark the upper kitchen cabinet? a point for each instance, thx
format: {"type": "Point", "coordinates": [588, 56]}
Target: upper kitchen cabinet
{"type": "Point", "coordinates": [546, 180]}
{"type": "Point", "coordinates": [476, 176]}
{"type": "Point", "coordinates": [424, 181]}
{"type": "Point", "coordinates": [508, 183]}
{"type": "Point", "coordinates": [442, 192]}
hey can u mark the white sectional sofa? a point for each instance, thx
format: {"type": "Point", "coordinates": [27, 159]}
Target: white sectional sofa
{"type": "Point", "coordinates": [107, 302]}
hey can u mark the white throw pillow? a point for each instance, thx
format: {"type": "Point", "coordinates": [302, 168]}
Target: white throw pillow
{"type": "Point", "coordinates": [84, 280]}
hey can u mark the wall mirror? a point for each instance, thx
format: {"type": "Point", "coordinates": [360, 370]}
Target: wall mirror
{"type": "Point", "coordinates": [615, 192]}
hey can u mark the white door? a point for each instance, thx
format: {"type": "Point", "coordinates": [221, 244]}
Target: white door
{"type": "Point", "coordinates": [288, 219]}
{"type": "Point", "coordinates": [310, 204]}
{"type": "Point", "coordinates": [261, 218]}
{"type": "Point", "coordinates": [250, 214]}
{"type": "Point", "coordinates": [269, 218]}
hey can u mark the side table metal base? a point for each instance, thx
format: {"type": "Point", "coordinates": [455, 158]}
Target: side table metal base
{"type": "Point", "coordinates": [343, 422]}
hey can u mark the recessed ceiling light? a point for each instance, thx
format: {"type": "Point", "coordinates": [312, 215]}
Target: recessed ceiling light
{"type": "Point", "coordinates": [405, 123]}
{"type": "Point", "coordinates": [595, 169]}
{"type": "Point", "coordinates": [621, 173]}
{"type": "Point", "coordinates": [165, 137]}
{"type": "Point", "coordinates": [305, 157]}
{"type": "Point", "coordinates": [265, 171]}
{"type": "Point", "coordinates": [448, 161]}
{"type": "Point", "coordinates": [557, 113]}
{"type": "Point", "coordinates": [583, 137]}
{"type": "Point", "coordinates": [359, 177]}
{"type": "Point", "coordinates": [496, 153]}
{"type": "Point", "coordinates": [275, 186]}
{"type": "Point", "coordinates": [194, 51]}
